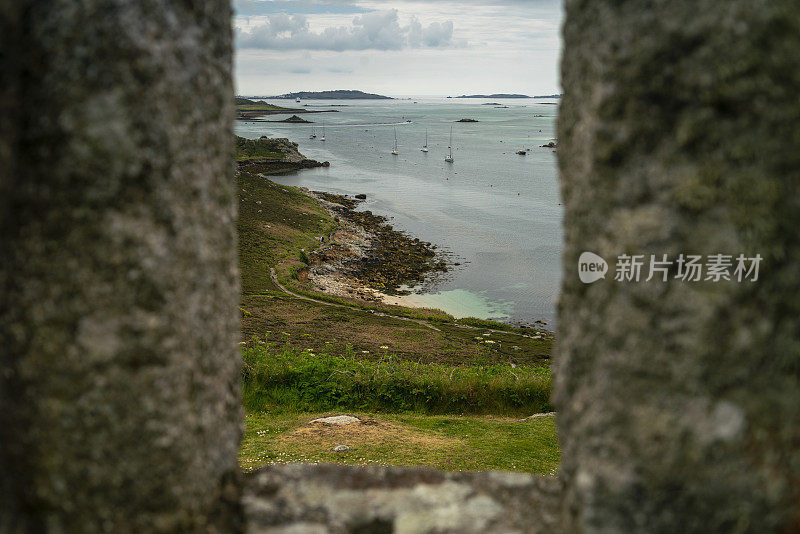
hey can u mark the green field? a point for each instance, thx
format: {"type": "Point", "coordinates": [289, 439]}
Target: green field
{"type": "Point", "coordinates": [451, 442]}
{"type": "Point", "coordinates": [250, 149]}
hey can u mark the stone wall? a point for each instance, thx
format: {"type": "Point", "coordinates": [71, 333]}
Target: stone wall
{"type": "Point", "coordinates": [679, 401]}
{"type": "Point", "coordinates": [118, 291]}
{"type": "Point", "coordinates": [334, 499]}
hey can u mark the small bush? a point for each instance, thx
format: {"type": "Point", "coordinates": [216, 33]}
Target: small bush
{"type": "Point", "coordinates": [484, 323]}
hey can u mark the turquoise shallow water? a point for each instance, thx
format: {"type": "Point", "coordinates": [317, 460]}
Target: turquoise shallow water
{"type": "Point", "coordinates": [496, 211]}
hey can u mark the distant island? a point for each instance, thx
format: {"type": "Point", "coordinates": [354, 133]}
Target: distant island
{"type": "Point", "coordinates": [548, 96]}
{"type": "Point", "coordinates": [339, 94]}
{"type": "Point", "coordinates": [251, 110]}
{"type": "Point", "coordinates": [294, 118]}
{"type": "Point", "coordinates": [495, 95]}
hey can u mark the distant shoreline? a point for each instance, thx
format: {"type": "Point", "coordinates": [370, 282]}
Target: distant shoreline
{"type": "Point", "coordinates": [251, 110]}
{"type": "Point", "coordinates": [495, 95]}
{"type": "Point", "coordinates": [328, 95]}
{"type": "Point", "coordinates": [506, 95]}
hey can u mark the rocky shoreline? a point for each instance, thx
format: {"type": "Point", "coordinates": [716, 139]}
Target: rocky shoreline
{"type": "Point", "coordinates": [279, 166]}
{"type": "Point", "coordinates": [255, 115]}
{"type": "Point", "coordinates": [366, 258]}
{"type": "Point", "coordinates": [291, 159]}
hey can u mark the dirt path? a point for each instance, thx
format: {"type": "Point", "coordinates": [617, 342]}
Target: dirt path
{"type": "Point", "coordinates": [325, 303]}
{"type": "Point", "coordinates": [283, 289]}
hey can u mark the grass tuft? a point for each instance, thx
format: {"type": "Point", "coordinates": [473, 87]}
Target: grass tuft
{"type": "Point", "coordinates": [276, 374]}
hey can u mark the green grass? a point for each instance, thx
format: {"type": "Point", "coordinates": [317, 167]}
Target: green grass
{"type": "Point", "coordinates": [322, 328]}
{"type": "Point", "coordinates": [424, 314]}
{"type": "Point", "coordinates": [275, 223]}
{"type": "Point", "coordinates": [276, 374]}
{"type": "Point", "coordinates": [250, 149]}
{"type": "Point", "coordinates": [251, 105]}
{"type": "Point", "coordinates": [486, 323]}
{"type": "Point", "coordinates": [440, 441]}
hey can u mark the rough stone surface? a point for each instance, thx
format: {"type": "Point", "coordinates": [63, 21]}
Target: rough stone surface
{"type": "Point", "coordinates": [118, 291]}
{"type": "Point", "coordinates": [337, 499]}
{"type": "Point", "coordinates": [337, 420]}
{"type": "Point", "coordinates": [679, 402]}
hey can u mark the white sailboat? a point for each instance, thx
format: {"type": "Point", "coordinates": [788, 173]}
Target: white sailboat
{"type": "Point", "coordinates": [313, 133]}
{"type": "Point", "coordinates": [323, 132]}
{"type": "Point", "coordinates": [395, 152]}
{"type": "Point", "coordinates": [449, 158]}
{"type": "Point", "coordinates": [425, 146]}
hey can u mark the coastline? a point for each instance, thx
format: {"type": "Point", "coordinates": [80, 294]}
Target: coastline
{"type": "Point", "coordinates": [363, 257]}
{"type": "Point", "coordinates": [284, 157]}
{"type": "Point", "coordinates": [254, 116]}
{"type": "Point", "coordinates": [366, 259]}
{"type": "Point", "coordinates": [359, 256]}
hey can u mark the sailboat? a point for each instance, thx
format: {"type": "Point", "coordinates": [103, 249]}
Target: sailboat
{"type": "Point", "coordinates": [323, 132]}
{"type": "Point", "coordinates": [425, 146]}
{"type": "Point", "coordinates": [449, 158]}
{"type": "Point", "coordinates": [313, 133]}
{"type": "Point", "coordinates": [395, 152]}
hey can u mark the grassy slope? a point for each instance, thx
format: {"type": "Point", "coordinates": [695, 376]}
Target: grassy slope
{"type": "Point", "coordinates": [373, 359]}
{"type": "Point", "coordinates": [308, 325]}
{"type": "Point", "coordinates": [275, 223]}
{"type": "Point", "coordinates": [250, 149]}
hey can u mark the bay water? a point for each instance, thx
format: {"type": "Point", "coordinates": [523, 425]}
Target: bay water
{"type": "Point", "coordinates": [493, 211]}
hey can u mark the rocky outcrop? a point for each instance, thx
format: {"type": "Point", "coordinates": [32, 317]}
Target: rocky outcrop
{"type": "Point", "coordinates": [273, 166]}
{"type": "Point", "coordinates": [289, 149]}
{"type": "Point", "coordinates": [295, 119]}
{"type": "Point", "coordinates": [291, 158]}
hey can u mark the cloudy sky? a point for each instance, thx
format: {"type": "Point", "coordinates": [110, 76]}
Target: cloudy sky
{"type": "Point", "coordinates": [398, 48]}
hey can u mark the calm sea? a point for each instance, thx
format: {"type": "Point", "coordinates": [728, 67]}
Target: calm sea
{"type": "Point", "coordinates": [497, 212]}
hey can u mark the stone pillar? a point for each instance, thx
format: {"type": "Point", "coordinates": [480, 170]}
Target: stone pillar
{"type": "Point", "coordinates": [679, 402]}
{"type": "Point", "coordinates": [118, 287]}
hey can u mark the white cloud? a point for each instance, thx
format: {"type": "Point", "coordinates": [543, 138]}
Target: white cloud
{"type": "Point", "coordinates": [513, 47]}
{"type": "Point", "coordinates": [379, 30]}
{"type": "Point", "coordinates": [265, 7]}
{"type": "Point", "coordinates": [436, 34]}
